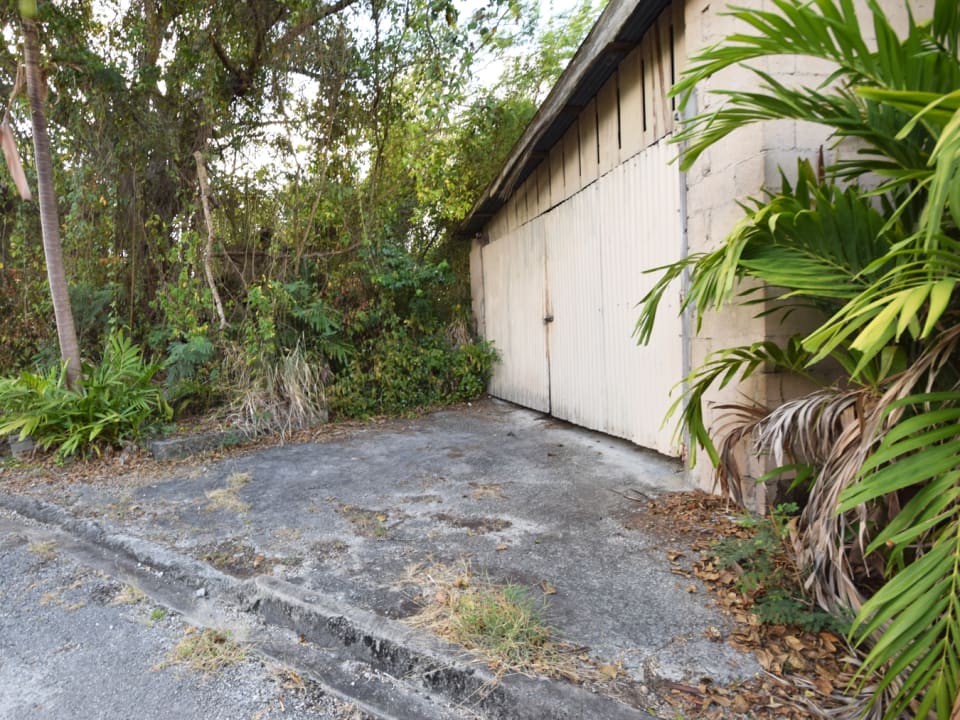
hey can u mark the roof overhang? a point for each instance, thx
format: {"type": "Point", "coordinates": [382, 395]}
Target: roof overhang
{"type": "Point", "coordinates": [616, 33]}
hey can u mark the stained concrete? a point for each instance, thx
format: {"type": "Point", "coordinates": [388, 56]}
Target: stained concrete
{"type": "Point", "coordinates": [520, 497]}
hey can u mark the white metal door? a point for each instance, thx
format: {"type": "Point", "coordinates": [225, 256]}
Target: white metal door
{"type": "Point", "coordinates": [513, 282]}
{"type": "Point", "coordinates": [561, 295]}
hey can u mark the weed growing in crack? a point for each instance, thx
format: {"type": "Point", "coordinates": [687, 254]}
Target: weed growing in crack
{"type": "Point", "coordinates": [46, 550]}
{"type": "Point", "coordinates": [204, 651]}
{"type": "Point", "coordinates": [503, 625]}
{"type": "Point", "coordinates": [227, 498]}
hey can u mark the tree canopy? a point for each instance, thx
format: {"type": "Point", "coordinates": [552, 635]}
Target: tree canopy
{"type": "Point", "coordinates": [342, 143]}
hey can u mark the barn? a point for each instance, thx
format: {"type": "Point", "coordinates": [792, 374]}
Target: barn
{"type": "Point", "coordinates": [589, 199]}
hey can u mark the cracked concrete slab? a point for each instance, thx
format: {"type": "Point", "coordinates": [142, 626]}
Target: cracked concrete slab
{"type": "Point", "coordinates": [522, 498]}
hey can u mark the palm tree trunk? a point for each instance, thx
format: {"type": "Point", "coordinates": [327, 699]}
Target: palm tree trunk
{"type": "Point", "coordinates": [49, 221]}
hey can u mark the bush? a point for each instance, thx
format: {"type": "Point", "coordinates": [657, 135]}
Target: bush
{"type": "Point", "coordinates": [400, 371]}
{"type": "Point", "coordinates": [115, 401]}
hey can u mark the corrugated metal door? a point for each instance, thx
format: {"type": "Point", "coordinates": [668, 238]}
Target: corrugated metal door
{"type": "Point", "coordinates": [599, 242]}
{"type": "Point", "coordinates": [513, 282]}
{"type": "Point", "coordinates": [561, 295]}
{"type": "Point", "coordinates": [575, 292]}
{"type": "Point", "coordinates": [639, 229]}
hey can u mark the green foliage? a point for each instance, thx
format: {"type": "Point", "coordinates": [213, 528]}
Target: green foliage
{"type": "Point", "coordinates": [399, 371]}
{"type": "Point", "coordinates": [115, 402]}
{"type": "Point", "coordinates": [880, 267]}
{"type": "Point", "coordinates": [918, 609]}
{"type": "Point", "coordinates": [768, 576]}
{"type": "Point", "coordinates": [192, 374]}
{"type": "Point", "coordinates": [92, 312]}
{"type": "Point", "coordinates": [504, 623]}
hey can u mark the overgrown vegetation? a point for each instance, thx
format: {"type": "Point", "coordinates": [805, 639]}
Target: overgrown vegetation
{"type": "Point", "coordinates": [869, 242]}
{"type": "Point", "coordinates": [343, 143]}
{"type": "Point", "coordinates": [115, 402]}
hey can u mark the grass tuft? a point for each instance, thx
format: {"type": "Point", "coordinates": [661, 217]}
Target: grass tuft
{"type": "Point", "coordinates": [503, 625]}
{"type": "Point", "coordinates": [204, 651]}
{"type": "Point", "coordinates": [227, 498]}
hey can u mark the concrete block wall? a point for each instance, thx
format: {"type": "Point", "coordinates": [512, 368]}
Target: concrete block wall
{"type": "Point", "coordinates": [735, 169]}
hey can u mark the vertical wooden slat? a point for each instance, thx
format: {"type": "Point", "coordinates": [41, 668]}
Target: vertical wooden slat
{"type": "Point", "coordinates": [557, 190]}
{"type": "Point", "coordinates": [664, 31]}
{"type": "Point", "coordinates": [571, 161]}
{"type": "Point", "coordinates": [631, 105]}
{"type": "Point", "coordinates": [543, 187]}
{"type": "Point", "coordinates": [608, 131]}
{"type": "Point", "coordinates": [589, 162]}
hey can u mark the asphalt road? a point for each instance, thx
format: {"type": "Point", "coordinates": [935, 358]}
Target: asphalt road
{"type": "Point", "coordinates": [76, 643]}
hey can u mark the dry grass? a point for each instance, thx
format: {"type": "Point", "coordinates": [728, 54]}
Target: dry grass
{"type": "Point", "coordinates": [46, 550]}
{"type": "Point", "coordinates": [128, 595]}
{"type": "Point", "coordinates": [204, 651]}
{"type": "Point", "coordinates": [501, 625]}
{"type": "Point", "coordinates": [227, 498]}
{"type": "Point", "coordinates": [282, 395]}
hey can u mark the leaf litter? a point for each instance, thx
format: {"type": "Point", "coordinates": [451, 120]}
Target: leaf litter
{"type": "Point", "coordinates": [805, 674]}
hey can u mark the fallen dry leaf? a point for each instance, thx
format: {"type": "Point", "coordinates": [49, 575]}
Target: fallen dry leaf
{"type": "Point", "coordinates": [547, 588]}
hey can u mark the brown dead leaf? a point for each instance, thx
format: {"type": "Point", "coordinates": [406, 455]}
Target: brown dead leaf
{"type": "Point", "coordinates": [12, 157]}
{"type": "Point", "coordinates": [547, 588]}
{"type": "Point", "coordinates": [823, 685]}
{"type": "Point", "coordinates": [501, 547]}
{"type": "Point", "coordinates": [609, 671]}
{"type": "Point", "coordinates": [794, 643]}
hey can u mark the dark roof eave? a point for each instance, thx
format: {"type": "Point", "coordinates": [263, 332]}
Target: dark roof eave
{"type": "Point", "coordinates": [615, 34]}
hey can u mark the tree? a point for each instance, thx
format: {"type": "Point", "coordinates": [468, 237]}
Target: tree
{"type": "Point", "coordinates": [49, 216]}
{"type": "Point", "coordinates": [878, 453]}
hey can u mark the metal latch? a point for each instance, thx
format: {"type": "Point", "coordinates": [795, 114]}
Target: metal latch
{"type": "Point", "coordinates": [547, 319]}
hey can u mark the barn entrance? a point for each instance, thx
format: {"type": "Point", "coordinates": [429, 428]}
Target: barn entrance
{"type": "Point", "coordinates": [560, 303]}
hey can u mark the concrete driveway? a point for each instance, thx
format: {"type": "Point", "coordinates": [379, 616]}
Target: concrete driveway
{"type": "Point", "coordinates": [334, 542]}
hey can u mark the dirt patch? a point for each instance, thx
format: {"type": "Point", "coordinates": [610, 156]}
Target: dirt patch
{"type": "Point", "coordinates": [328, 550]}
{"type": "Point", "coordinates": [486, 490]}
{"type": "Point", "coordinates": [367, 523]}
{"type": "Point", "coordinates": [236, 558]}
{"type": "Point", "coordinates": [477, 525]}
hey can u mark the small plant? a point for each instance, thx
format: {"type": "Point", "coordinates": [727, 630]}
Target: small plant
{"type": "Point", "coordinates": [502, 624]}
{"type": "Point", "coordinates": [158, 614]}
{"type": "Point", "coordinates": [769, 577]}
{"type": "Point", "coordinates": [116, 401]}
{"type": "Point", "coordinates": [46, 550]}
{"type": "Point", "coordinates": [206, 651]}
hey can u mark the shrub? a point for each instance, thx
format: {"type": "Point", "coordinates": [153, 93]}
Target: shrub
{"type": "Point", "coordinates": [400, 371]}
{"type": "Point", "coordinates": [116, 401]}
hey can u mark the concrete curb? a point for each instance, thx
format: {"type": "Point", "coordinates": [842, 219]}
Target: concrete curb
{"type": "Point", "coordinates": [179, 447]}
{"type": "Point", "coordinates": [340, 641]}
